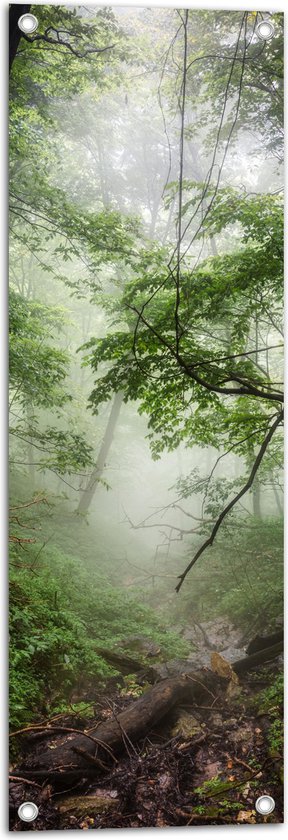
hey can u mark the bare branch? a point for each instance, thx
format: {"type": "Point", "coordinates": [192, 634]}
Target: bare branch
{"type": "Point", "coordinates": [236, 499]}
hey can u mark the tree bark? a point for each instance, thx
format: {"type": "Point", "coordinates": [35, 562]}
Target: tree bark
{"type": "Point", "coordinates": [264, 642]}
{"type": "Point", "coordinates": [30, 448]}
{"type": "Point", "coordinates": [256, 495]}
{"type": "Point", "coordinates": [126, 664]}
{"type": "Point", "coordinates": [199, 176]}
{"type": "Point", "coordinates": [258, 658]}
{"type": "Point", "coordinates": [75, 756]}
{"type": "Point", "coordinates": [278, 501]}
{"type": "Point", "coordinates": [88, 493]}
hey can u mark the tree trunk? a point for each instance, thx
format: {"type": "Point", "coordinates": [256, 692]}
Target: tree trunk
{"type": "Point", "coordinates": [127, 664]}
{"type": "Point", "coordinates": [256, 496]}
{"type": "Point", "coordinates": [88, 493]}
{"type": "Point", "coordinates": [199, 176]}
{"type": "Point", "coordinates": [278, 501]}
{"type": "Point", "coordinates": [258, 658]}
{"type": "Point", "coordinates": [263, 642]}
{"type": "Point", "coordinates": [30, 448]}
{"type": "Point", "coordinates": [15, 11]}
{"type": "Point", "coordinates": [73, 756]}
{"type": "Point", "coordinates": [78, 755]}
{"type": "Point", "coordinates": [168, 225]}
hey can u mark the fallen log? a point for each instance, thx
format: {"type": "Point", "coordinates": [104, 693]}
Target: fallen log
{"type": "Point", "coordinates": [262, 642]}
{"type": "Point", "coordinates": [68, 757]}
{"type": "Point", "coordinates": [71, 756]}
{"type": "Point", "coordinates": [265, 655]}
{"type": "Point", "coordinates": [126, 664]}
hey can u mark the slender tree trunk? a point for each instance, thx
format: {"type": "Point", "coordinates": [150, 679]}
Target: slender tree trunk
{"type": "Point", "coordinates": [154, 217]}
{"type": "Point", "coordinates": [169, 221]}
{"type": "Point", "coordinates": [277, 499]}
{"type": "Point", "coordinates": [102, 171]}
{"type": "Point", "coordinates": [88, 493]}
{"type": "Point", "coordinates": [256, 490]}
{"type": "Point", "coordinates": [199, 176]}
{"type": "Point", "coordinates": [30, 448]}
{"type": "Point", "coordinates": [257, 498]}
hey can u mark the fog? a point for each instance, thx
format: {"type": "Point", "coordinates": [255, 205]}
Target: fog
{"type": "Point", "coordinates": [117, 151]}
{"type": "Point", "coordinates": [143, 201]}
{"type": "Point", "coordinates": [145, 416]}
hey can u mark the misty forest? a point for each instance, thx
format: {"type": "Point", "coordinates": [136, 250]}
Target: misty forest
{"type": "Point", "coordinates": [145, 416]}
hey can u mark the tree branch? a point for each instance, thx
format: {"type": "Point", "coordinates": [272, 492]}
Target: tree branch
{"type": "Point", "coordinates": [248, 389]}
{"type": "Point", "coordinates": [60, 43]}
{"type": "Point", "coordinates": [236, 499]}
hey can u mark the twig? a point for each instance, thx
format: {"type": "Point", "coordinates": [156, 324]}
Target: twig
{"type": "Point", "coordinates": [243, 781]}
{"type": "Point", "coordinates": [36, 501]}
{"type": "Point", "coordinates": [46, 729]}
{"type": "Point", "coordinates": [124, 734]}
{"type": "Point", "coordinates": [192, 679]}
{"type": "Point", "coordinates": [92, 759]}
{"type": "Point", "coordinates": [25, 781]}
{"type": "Point", "coordinates": [244, 764]}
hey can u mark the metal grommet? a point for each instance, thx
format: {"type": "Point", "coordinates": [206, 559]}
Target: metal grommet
{"type": "Point", "coordinates": [265, 30]}
{"type": "Point", "coordinates": [28, 23]}
{"type": "Point", "coordinates": [265, 805]}
{"type": "Point", "coordinates": [28, 811]}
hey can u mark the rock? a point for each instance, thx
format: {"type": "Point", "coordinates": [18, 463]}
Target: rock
{"type": "Point", "coordinates": [187, 725]}
{"type": "Point", "coordinates": [232, 654]}
{"type": "Point", "coordinates": [165, 781]}
{"type": "Point", "coordinates": [177, 667]}
{"type": "Point", "coordinates": [91, 805]}
{"type": "Point", "coordinates": [140, 644]}
{"type": "Point", "coordinates": [189, 634]}
{"type": "Point", "coordinates": [200, 658]}
{"type": "Point", "coordinates": [172, 668]}
{"type": "Point", "coordinates": [242, 735]}
{"type": "Point", "coordinates": [216, 720]}
{"type": "Point", "coordinates": [179, 629]}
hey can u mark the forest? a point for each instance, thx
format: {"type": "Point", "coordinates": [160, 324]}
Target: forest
{"type": "Point", "coordinates": [145, 417]}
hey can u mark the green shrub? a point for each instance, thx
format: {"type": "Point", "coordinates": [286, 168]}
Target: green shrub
{"type": "Point", "coordinates": [59, 614]}
{"type": "Point", "coordinates": [270, 701]}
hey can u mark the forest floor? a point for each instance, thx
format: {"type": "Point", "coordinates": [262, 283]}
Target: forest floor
{"type": "Point", "coordinates": [204, 764]}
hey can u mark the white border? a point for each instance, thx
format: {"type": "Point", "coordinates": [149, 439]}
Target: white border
{"type": "Point", "coordinates": [138, 834]}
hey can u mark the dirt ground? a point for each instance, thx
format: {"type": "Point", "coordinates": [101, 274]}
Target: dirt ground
{"type": "Point", "coordinates": [204, 765]}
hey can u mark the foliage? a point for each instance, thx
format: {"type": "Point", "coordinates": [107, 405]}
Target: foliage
{"type": "Point", "coordinates": [276, 736]}
{"type": "Point", "coordinates": [131, 687]}
{"type": "Point", "coordinates": [170, 356]}
{"type": "Point", "coordinates": [37, 370]}
{"type": "Point", "coordinates": [216, 63]}
{"type": "Point", "coordinates": [269, 702]}
{"type": "Point", "coordinates": [38, 374]}
{"type": "Point", "coordinates": [59, 614]}
{"type": "Point", "coordinates": [45, 76]}
{"type": "Point", "coordinates": [212, 787]}
{"type": "Point", "coordinates": [47, 71]}
{"type": "Point", "coordinates": [241, 577]}
{"type": "Point", "coordinates": [194, 340]}
{"type": "Point", "coordinates": [179, 389]}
